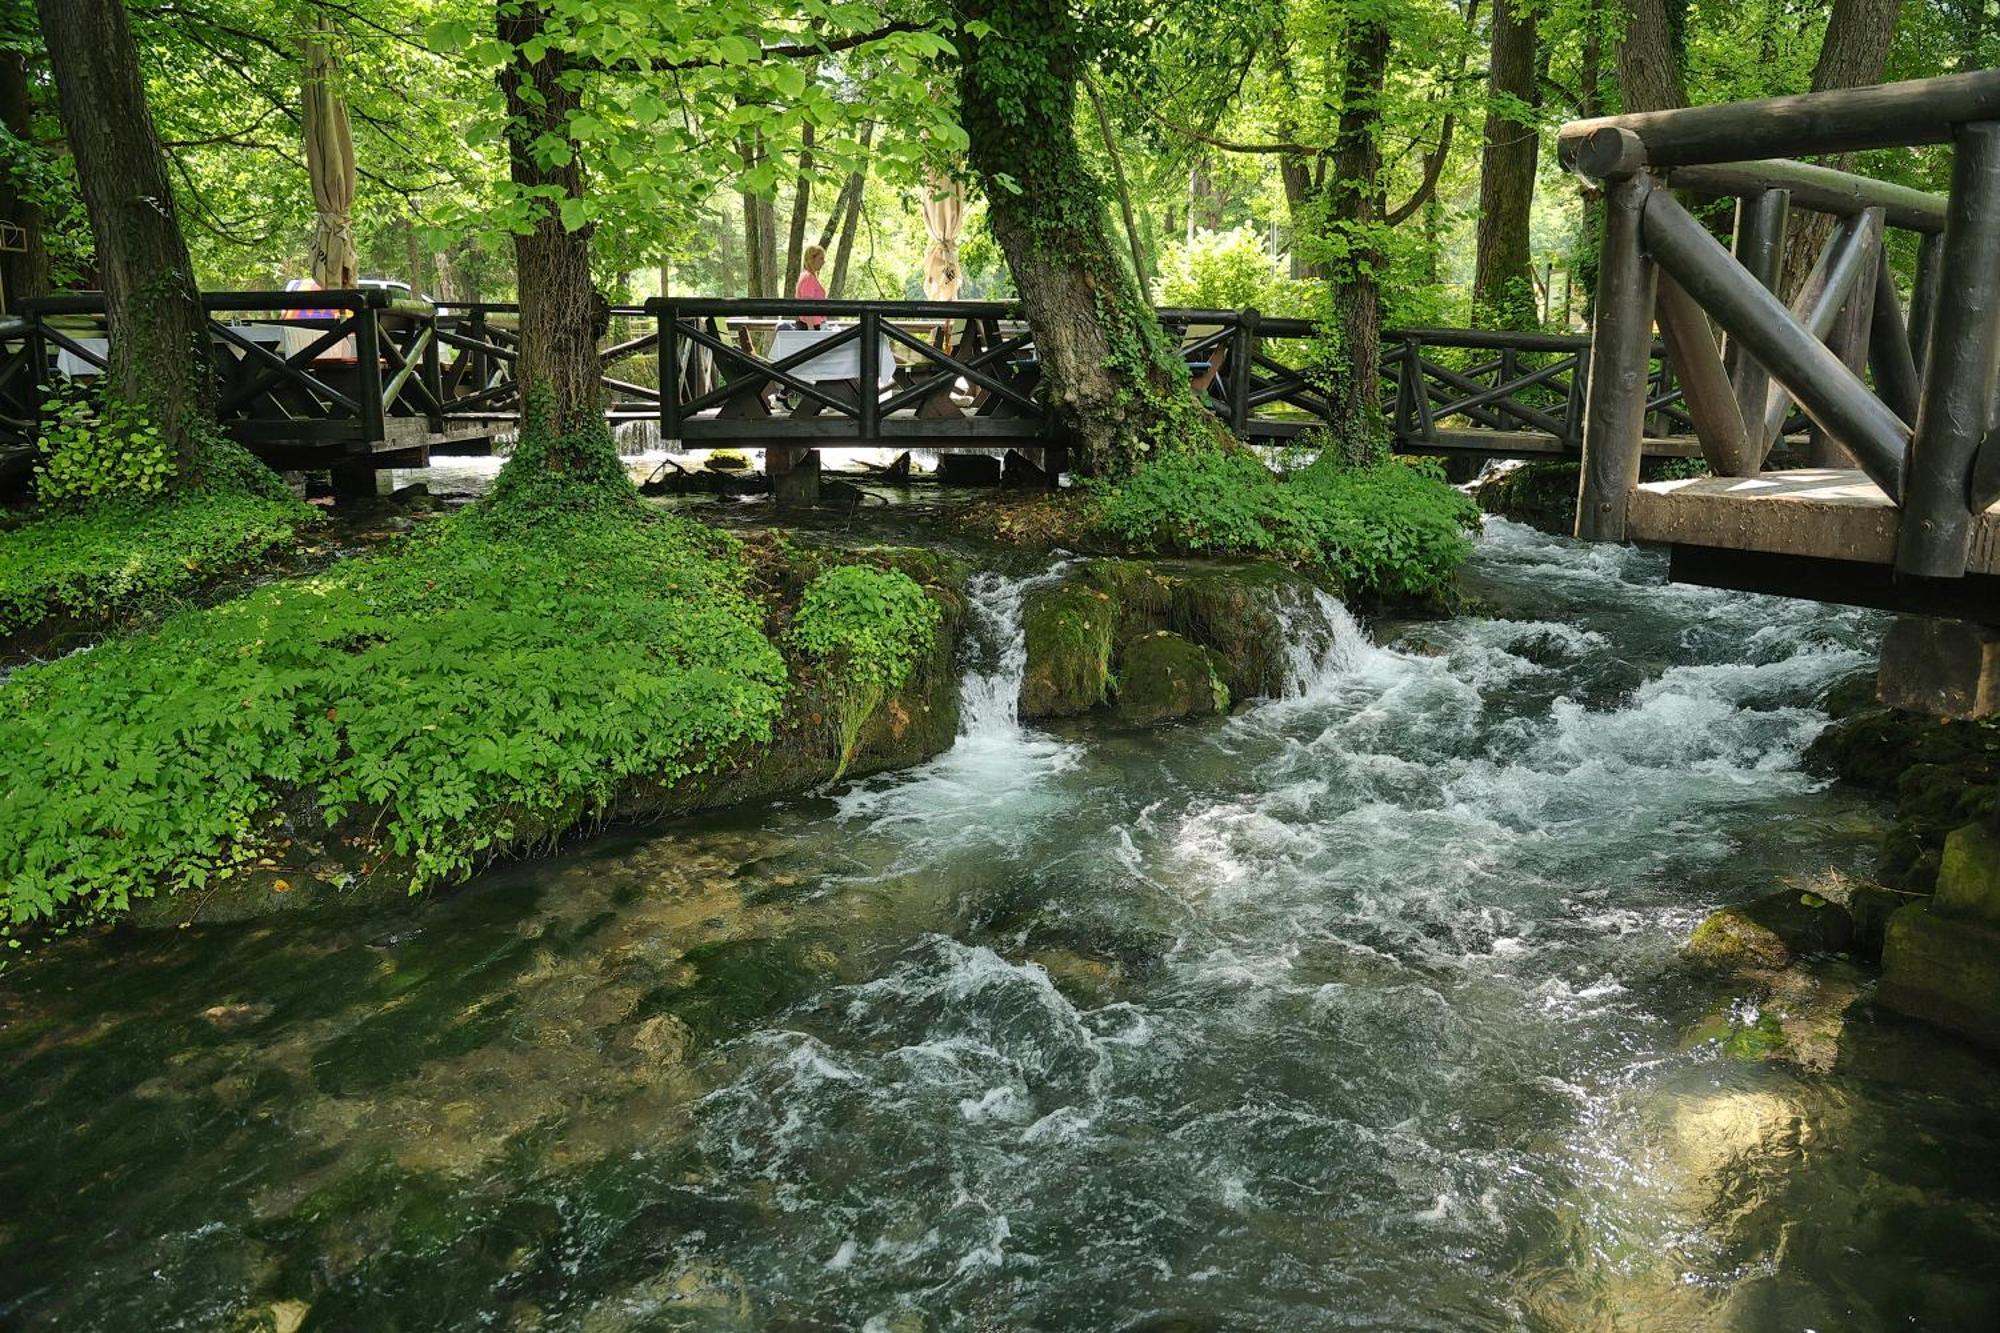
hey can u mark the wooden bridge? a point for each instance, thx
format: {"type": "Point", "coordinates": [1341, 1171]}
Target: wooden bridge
{"type": "Point", "coordinates": [1897, 510]}
{"type": "Point", "coordinates": [359, 382]}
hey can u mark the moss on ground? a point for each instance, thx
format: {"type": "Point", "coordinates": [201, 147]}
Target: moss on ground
{"type": "Point", "coordinates": [121, 560]}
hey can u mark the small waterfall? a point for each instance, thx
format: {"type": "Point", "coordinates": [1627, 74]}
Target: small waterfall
{"type": "Point", "coordinates": [990, 696]}
{"type": "Point", "coordinates": [1322, 640]}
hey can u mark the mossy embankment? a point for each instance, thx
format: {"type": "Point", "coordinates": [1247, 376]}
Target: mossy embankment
{"type": "Point", "coordinates": [1158, 641]}
{"type": "Point", "coordinates": [554, 658]}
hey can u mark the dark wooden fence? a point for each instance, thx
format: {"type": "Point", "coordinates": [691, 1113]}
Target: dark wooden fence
{"type": "Point", "coordinates": [1923, 429]}
{"type": "Point", "coordinates": [333, 378]}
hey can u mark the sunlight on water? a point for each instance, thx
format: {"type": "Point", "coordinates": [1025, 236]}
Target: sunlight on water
{"type": "Point", "coordinates": [1360, 1007]}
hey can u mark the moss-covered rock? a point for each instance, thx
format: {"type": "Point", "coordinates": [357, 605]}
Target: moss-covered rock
{"type": "Point", "coordinates": [1944, 969]}
{"type": "Point", "coordinates": [1942, 775]}
{"type": "Point", "coordinates": [1164, 678]}
{"type": "Point", "coordinates": [1234, 612]}
{"type": "Point", "coordinates": [1771, 931]}
{"type": "Point", "coordinates": [1542, 495]}
{"type": "Point", "coordinates": [1080, 630]}
{"type": "Point", "coordinates": [1069, 627]}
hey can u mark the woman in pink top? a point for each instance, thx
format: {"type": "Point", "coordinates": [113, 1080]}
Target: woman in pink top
{"type": "Point", "coordinates": [809, 287]}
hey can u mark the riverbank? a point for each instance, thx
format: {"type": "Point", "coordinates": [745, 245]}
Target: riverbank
{"type": "Point", "coordinates": [486, 687]}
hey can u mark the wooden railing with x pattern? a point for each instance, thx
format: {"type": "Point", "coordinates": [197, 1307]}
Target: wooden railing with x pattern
{"type": "Point", "coordinates": [313, 378]}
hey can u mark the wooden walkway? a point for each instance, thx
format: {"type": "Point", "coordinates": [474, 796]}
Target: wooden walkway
{"type": "Point", "coordinates": [360, 383]}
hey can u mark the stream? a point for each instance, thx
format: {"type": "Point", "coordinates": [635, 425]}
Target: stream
{"type": "Point", "coordinates": [1361, 1008]}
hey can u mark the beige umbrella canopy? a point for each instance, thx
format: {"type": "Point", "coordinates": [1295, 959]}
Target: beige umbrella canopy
{"type": "Point", "coordinates": [944, 216]}
{"type": "Point", "coordinates": [329, 161]}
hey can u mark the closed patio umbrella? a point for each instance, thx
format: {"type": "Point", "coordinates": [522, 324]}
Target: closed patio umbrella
{"type": "Point", "coordinates": [944, 215]}
{"type": "Point", "coordinates": [329, 161]}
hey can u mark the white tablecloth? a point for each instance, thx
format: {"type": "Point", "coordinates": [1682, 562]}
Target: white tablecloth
{"type": "Point", "coordinates": [840, 363]}
{"type": "Point", "coordinates": [272, 336]}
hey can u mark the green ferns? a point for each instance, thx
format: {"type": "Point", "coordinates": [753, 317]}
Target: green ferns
{"type": "Point", "coordinates": [111, 560]}
{"type": "Point", "coordinates": [480, 684]}
{"type": "Point", "coordinates": [1393, 529]}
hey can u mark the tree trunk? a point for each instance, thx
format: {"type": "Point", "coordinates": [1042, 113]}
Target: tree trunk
{"type": "Point", "coordinates": [1856, 46]}
{"type": "Point", "coordinates": [1503, 283]}
{"type": "Point", "coordinates": [753, 249]}
{"type": "Point", "coordinates": [1352, 198]}
{"type": "Point", "coordinates": [159, 336]}
{"type": "Point", "coordinates": [24, 273]}
{"type": "Point", "coordinates": [1116, 384]}
{"type": "Point", "coordinates": [1649, 59]}
{"type": "Point", "coordinates": [857, 183]}
{"type": "Point", "coordinates": [795, 240]}
{"type": "Point", "coordinates": [557, 365]}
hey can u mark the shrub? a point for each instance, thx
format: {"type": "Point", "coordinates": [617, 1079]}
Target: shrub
{"type": "Point", "coordinates": [872, 623]}
{"type": "Point", "coordinates": [1229, 270]}
{"type": "Point", "coordinates": [1393, 528]}
{"type": "Point", "coordinates": [111, 560]}
{"type": "Point", "coordinates": [482, 681]}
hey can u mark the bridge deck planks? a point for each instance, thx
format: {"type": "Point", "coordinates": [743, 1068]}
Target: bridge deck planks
{"type": "Point", "coordinates": [1811, 513]}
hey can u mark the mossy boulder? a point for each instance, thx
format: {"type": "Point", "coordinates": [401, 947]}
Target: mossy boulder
{"type": "Point", "coordinates": [1070, 628]}
{"type": "Point", "coordinates": [1164, 678]}
{"type": "Point", "coordinates": [1081, 630]}
{"type": "Point", "coordinates": [1943, 969]}
{"type": "Point", "coordinates": [1542, 495]}
{"type": "Point", "coordinates": [1968, 882]}
{"type": "Point", "coordinates": [1771, 931]}
{"type": "Point", "coordinates": [1942, 775]}
{"type": "Point", "coordinates": [1234, 612]}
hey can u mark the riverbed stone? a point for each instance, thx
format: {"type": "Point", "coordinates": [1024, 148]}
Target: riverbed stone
{"type": "Point", "coordinates": [1871, 906]}
{"type": "Point", "coordinates": [1968, 883]}
{"type": "Point", "coordinates": [1164, 678]}
{"type": "Point", "coordinates": [1941, 958]}
{"type": "Point", "coordinates": [1771, 931]}
{"type": "Point", "coordinates": [1944, 969]}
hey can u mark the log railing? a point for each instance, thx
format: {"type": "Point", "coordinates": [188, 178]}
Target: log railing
{"type": "Point", "coordinates": [1910, 400]}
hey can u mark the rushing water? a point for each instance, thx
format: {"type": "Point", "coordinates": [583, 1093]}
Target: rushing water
{"type": "Point", "coordinates": [1358, 1009]}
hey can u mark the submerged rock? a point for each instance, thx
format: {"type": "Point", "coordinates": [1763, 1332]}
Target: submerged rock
{"type": "Point", "coordinates": [1163, 678]}
{"type": "Point", "coordinates": [1941, 958]}
{"type": "Point", "coordinates": [1771, 931]}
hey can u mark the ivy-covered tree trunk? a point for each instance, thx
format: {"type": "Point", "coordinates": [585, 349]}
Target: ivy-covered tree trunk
{"type": "Point", "coordinates": [159, 336]}
{"type": "Point", "coordinates": [1115, 382]}
{"type": "Point", "coordinates": [1503, 285]}
{"type": "Point", "coordinates": [1352, 198]}
{"type": "Point", "coordinates": [557, 366]}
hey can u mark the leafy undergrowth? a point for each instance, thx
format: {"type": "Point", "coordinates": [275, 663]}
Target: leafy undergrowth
{"type": "Point", "coordinates": [109, 561]}
{"type": "Point", "coordinates": [872, 623]}
{"type": "Point", "coordinates": [487, 681]}
{"type": "Point", "coordinates": [1394, 530]}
